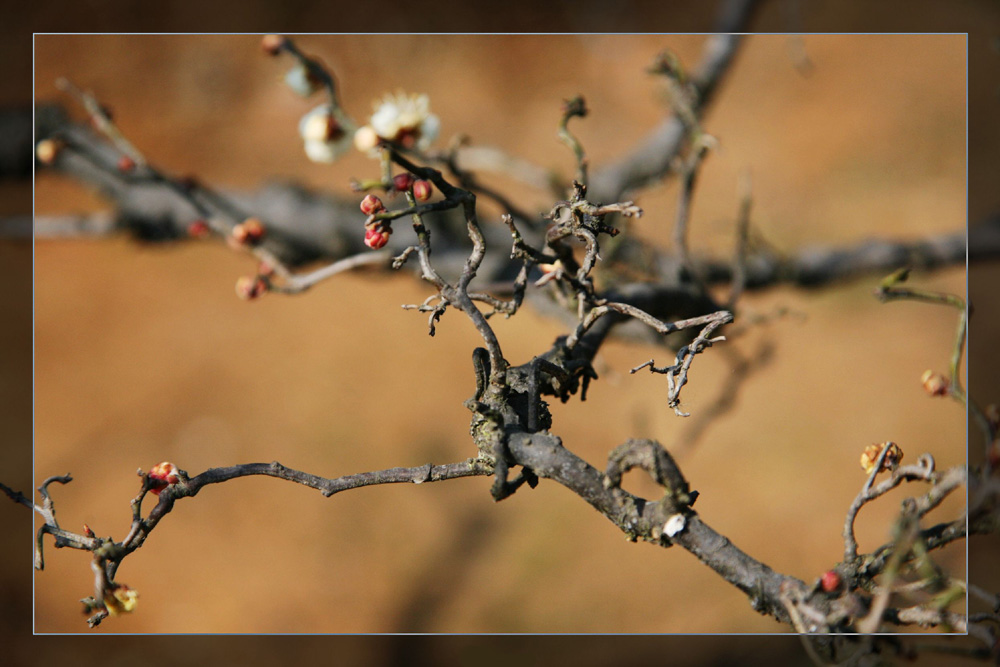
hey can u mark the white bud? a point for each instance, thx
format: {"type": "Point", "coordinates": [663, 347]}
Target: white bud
{"type": "Point", "coordinates": [674, 525]}
{"type": "Point", "coordinates": [365, 139]}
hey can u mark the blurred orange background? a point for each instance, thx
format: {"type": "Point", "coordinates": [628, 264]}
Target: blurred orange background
{"type": "Point", "coordinates": [144, 353]}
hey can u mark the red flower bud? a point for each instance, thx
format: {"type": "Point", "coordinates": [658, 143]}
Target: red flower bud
{"type": "Point", "coordinates": [125, 164]}
{"type": "Point", "coordinates": [198, 229]}
{"type": "Point", "coordinates": [422, 190]}
{"type": "Point", "coordinates": [378, 236]}
{"type": "Point", "coordinates": [371, 204]}
{"type": "Point", "coordinates": [88, 532]}
{"type": "Point", "coordinates": [402, 182]}
{"type": "Point", "coordinates": [248, 232]}
{"type": "Point", "coordinates": [162, 475]}
{"type": "Point", "coordinates": [830, 581]}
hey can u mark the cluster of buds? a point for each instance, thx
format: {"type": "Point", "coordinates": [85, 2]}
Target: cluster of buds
{"type": "Point", "coordinates": [377, 232]}
{"type": "Point", "coordinates": [405, 182]}
{"type": "Point", "coordinates": [250, 287]}
{"type": "Point", "coordinates": [162, 475]}
{"type": "Point", "coordinates": [935, 384]}
{"type": "Point", "coordinates": [872, 452]}
{"type": "Point", "coordinates": [248, 232]}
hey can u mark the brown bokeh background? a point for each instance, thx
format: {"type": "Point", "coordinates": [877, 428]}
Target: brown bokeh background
{"type": "Point", "coordinates": [145, 354]}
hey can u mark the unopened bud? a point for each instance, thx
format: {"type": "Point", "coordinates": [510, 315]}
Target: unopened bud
{"type": "Point", "coordinates": [422, 190]}
{"type": "Point", "coordinates": [376, 237]}
{"type": "Point", "coordinates": [47, 150]}
{"type": "Point", "coordinates": [272, 44]}
{"type": "Point", "coordinates": [830, 581]}
{"type": "Point", "coordinates": [162, 475]}
{"type": "Point", "coordinates": [402, 182]}
{"type": "Point", "coordinates": [88, 532]}
{"type": "Point", "coordinates": [935, 384]}
{"type": "Point", "coordinates": [366, 139]}
{"type": "Point", "coordinates": [250, 287]}
{"type": "Point", "coordinates": [872, 452]}
{"type": "Point", "coordinates": [371, 205]}
{"type": "Point", "coordinates": [302, 80]}
{"type": "Point", "coordinates": [198, 229]}
{"type": "Point", "coordinates": [125, 164]}
{"type": "Point", "coordinates": [248, 232]}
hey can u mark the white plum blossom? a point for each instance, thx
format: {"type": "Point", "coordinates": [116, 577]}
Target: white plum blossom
{"type": "Point", "coordinates": [326, 136]}
{"type": "Point", "coordinates": [406, 120]}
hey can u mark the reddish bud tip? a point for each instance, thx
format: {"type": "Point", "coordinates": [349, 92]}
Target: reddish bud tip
{"type": "Point", "coordinates": [248, 232]}
{"type": "Point", "coordinates": [198, 229]}
{"type": "Point", "coordinates": [377, 236]}
{"type": "Point", "coordinates": [272, 44]}
{"type": "Point", "coordinates": [402, 182]}
{"type": "Point", "coordinates": [125, 164]}
{"type": "Point", "coordinates": [371, 204]}
{"type": "Point", "coordinates": [88, 532]}
{"type": "Point", "coordinates": [422, 190]}
{"type": "Point", "coordinates": [248, 288]}
{"type": "Point", "coordinates": [830, 581]}
{"type": "Point", "coordinates": [162, 475]}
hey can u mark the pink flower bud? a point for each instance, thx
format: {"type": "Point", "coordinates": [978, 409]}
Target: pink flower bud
{"type": "Point", "coordinates": [422, 190]}
{"type": "Point", "coordinates": [378, 236]}
{"type": "Point", "coordinates": [371, 204]}
{"type": "Point", "coordinates": [162, 475]}
{"type": "Point", "coordinates": [402, 182]}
